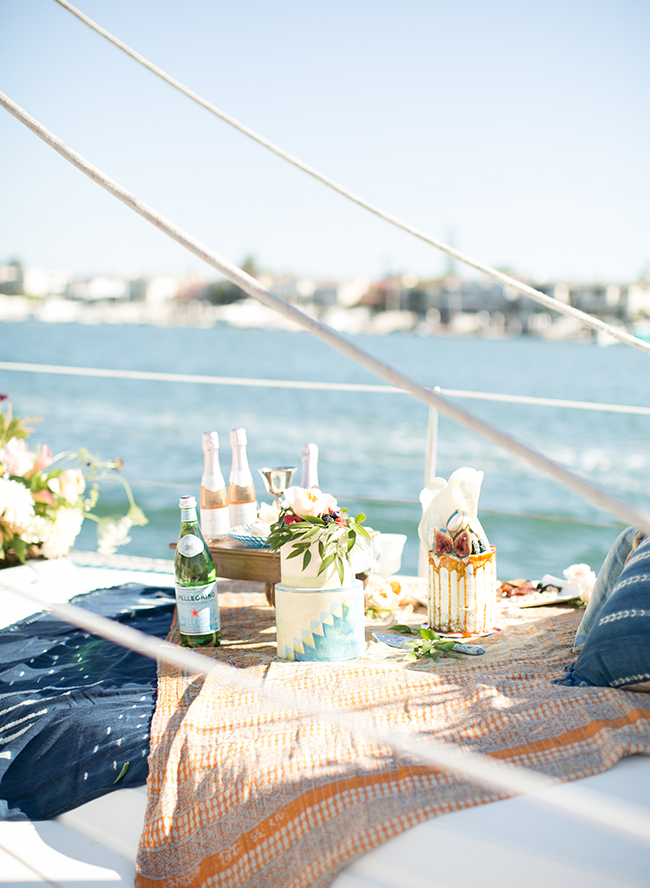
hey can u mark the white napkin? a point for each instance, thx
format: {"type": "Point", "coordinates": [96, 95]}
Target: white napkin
{"type": "Point", "coordinates": [442, 498]}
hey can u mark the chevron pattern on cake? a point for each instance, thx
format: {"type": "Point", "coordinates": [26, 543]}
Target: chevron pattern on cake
{"type": "Point", "coordinates": [320, 626]}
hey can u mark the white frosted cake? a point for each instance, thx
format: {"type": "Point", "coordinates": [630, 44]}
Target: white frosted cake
{"type": "Point", "coordinates": [319, 615]}
{"type": "Point", "coordinates": [462, 592]}
{"type": "Point", "coordinates": [292, 573]}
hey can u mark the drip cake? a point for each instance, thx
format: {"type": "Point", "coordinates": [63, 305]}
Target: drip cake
{"type": "Point", "coordinates": [319, 605]}
{"type": "Point", "coordinates": [461, 562]}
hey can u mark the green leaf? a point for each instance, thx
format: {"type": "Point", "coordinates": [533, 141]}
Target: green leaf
{"type": "Point", "coordinates": [429, 634]}
{"type": "Point", "coordinates": [295, 552]}
{"type": "Point", "coordinates": [341, 569]}
{"type": "Point", "coordinates": [125, 768]}
{"type": "Point", "coordinates": [326, 563]}
{"type": "Point", "coordinates": [411, 657]}
{"type": "Point", "coordinates": [20, 547]}
{"type": "Point", "coordinates": [306, 559]}
{"type": "Point", "coordinates": [400, 627]}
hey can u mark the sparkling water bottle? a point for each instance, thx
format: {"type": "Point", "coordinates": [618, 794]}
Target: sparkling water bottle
{"type": "Point", "coordinates": [309, 466]}
{"type": "Point", "coordinates": [215, 521]}
{"type": "Point", "coordinates": [241, 489]}
{"type": "Point", "coordinates": [195, 579]}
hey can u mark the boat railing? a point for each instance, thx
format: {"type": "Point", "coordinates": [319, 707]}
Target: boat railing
{"type": "Point", "coordinates": [431, 449]}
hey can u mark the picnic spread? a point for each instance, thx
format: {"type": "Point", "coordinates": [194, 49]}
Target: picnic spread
{"type": "Point", "coordinates": [245, 793]}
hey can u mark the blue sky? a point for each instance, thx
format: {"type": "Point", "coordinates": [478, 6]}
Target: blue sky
{"type": "Point", "coordinates": [519, 130]}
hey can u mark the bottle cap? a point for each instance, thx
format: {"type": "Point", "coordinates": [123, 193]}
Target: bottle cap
{"type": "Point", "coordinates": [237, 437]}
{"type": "Point", "coordinates": [310, 451]}
{"type": "Point", "coordinates": [187, 502]}
{"type": "Point", "coordinates": [210, 440]}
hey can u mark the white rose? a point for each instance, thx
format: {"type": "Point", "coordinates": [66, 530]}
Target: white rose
{"type": "Point", "coordinates": [309, 503]}
{"type": "Point", "coordinates": [582, 576]}
{"type": "Point", "coordinates": [111, 533]}
{"type": "Point", "coordinates": [71, 485]}
{"type": "Point", "coordinates": [65, 528]}
{"type": "Point", "coordinates": [269, 514]}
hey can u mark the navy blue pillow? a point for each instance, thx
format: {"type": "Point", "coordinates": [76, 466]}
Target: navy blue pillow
{"type": "Point", "coordinates": [616, 652]}
{"type": "Point", "coordinates": [75, 709]}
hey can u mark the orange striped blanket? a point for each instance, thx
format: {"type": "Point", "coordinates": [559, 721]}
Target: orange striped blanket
{"type": "Point", "coordinates": [242, 793]}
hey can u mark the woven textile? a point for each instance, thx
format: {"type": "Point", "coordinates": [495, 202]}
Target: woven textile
{"type": "Point", "coordinates": [242, 793]}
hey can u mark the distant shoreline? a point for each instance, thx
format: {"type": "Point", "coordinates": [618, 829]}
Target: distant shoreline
{"type": "Point", "coordinates": [250, 314]}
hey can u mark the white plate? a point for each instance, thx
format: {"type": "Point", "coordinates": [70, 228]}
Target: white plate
{"type": "Point", "coordinates": [242, 533]}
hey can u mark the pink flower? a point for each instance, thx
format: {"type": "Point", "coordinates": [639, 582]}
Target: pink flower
{"type": "Point", "coordinates": [44, 496]}
{"type": "Point", "coordinates": [42, 461]}
{"type": "Point", "coordinates": [16, 458]}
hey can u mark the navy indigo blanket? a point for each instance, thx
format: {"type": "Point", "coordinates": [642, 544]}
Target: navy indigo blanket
{"type": "Point", "coordinates": [75, 709]}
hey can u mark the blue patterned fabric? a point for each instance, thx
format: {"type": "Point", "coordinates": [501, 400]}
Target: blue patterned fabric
{"type": "Point", "coordinates": [75, 709]}
{"type": "Point", "coordinates": [616, 650]}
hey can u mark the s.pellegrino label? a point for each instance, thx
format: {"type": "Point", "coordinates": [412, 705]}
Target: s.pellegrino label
{"type": "Point", "coordinates": [190, 545]}
{"type": "Point", "coordinates": [197, 609]}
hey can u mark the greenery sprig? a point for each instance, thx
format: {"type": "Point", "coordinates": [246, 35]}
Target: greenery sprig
{"type": "Point", "coordinates": [430, 645]}
{"type": "Point", "coordinates": [334, 531]}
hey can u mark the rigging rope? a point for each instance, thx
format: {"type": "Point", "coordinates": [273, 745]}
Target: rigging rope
{"type": "Point", "coordinates": [623, 817]}
{"type": "Point", "coordinates": [152, 375]}
{"type": "Point", "coordinates": [598, 496]}
{"type": "Point", "coordinates": [504, 279]}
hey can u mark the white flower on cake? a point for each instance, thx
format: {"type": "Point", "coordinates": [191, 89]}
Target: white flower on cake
{"type": "Point", "coordinates": [268, 513]}
{"type": "Point", "coordinates": [309, 502]}
{"type": "Point", "coordinates": [582, 576]}
{"type": "Point", "coordinates": [312, 525]}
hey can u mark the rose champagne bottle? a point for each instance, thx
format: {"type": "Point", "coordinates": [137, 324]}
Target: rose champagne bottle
{"type": "Point", "coordinates": [241, 489]}
{"type": "Point", "coordinates": [309, 466]}
{"type": "Point", "coordinates": [215, 520]}
{"type": "Point", "coordinates": [195, 580]}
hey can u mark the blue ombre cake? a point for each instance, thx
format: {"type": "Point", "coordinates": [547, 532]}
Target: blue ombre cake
{"type": "Point", "coordinates": [320, 626]}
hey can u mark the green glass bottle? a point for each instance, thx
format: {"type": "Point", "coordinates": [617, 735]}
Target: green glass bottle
{"type": "Point", "coordinates": [195, 579]}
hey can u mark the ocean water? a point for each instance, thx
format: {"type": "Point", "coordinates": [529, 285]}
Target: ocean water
{"type": "Point", "coordinates": [372, 446]}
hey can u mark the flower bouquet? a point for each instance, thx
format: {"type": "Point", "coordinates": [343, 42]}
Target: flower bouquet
{"type": "Point", "coordinates": [311, 521]}
{"type": "Point", "coordinates": [42, 502]}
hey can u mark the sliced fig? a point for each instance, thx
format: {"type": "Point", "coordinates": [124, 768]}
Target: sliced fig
{"type": "Point", "coordinates": [443, 543]}
{"type": "Point", "coordinates": [463, 544]}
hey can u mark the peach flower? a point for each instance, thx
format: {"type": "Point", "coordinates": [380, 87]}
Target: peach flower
{"type": "Point", "coordinates": [71, 485]}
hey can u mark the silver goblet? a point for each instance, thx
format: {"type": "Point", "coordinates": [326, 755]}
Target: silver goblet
{"type": "Point", "coordinates": [277, 480]}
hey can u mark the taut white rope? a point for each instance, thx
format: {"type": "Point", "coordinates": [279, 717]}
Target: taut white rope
{"type": "Point", "coordinates": [499, 276]}
{"type": "Point", "coordinates": [154, 376]}
{"type": "Point", "coordinates": [625, 818]}
{"type": "Point", "coordinates": [250, 285]}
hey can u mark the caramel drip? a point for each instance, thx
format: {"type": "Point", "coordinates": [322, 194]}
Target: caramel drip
{"type": "Point", "coordinates": [448, 580]}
